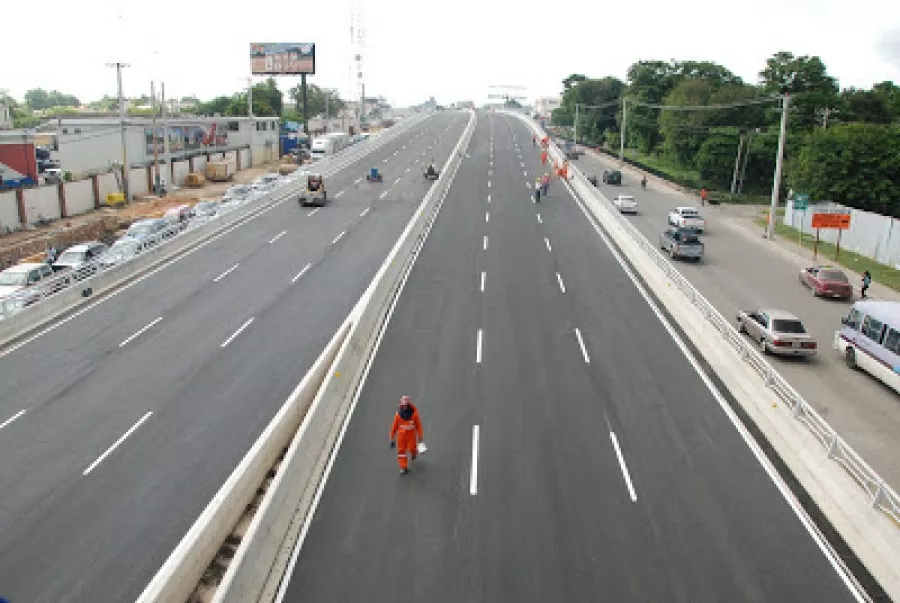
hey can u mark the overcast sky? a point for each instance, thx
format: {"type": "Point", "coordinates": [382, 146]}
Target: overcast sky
{"type": "Point", "coordinates": [451, 50]}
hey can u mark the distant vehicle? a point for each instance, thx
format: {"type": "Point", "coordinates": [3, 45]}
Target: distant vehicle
{"type": "Point", "coordinates": [178, 216]}
{"type": "Point", "coordinates": [19, 282]}
{"type": "Point", "coordinates": [777, 332]}
{"type": "Point", "coordinates": [329, 144]}
{"type": "Point", "coordinates": [870, 340]}
{"type": "Point", "coordinates": [626, 204]}
{"type": "Point", "coordinates": [687, 217]}
{"type": "Point", "coordinates": [612, 177]}
{"type": "Point", "coordinates": [374, 176]}
{"type": "Point", "coordinates": [431, 172]}
{"type": "Point", "coordinates": [826, 282]}
{"type": "Point", "coordinates": [238, 192]}
{"type": "Point", "coordinates": [121, 251]}
{"type": "Point", "coordinates": [681, 243]}
{"type": "Point", "coordinates": [78, 255]}
{"type": "Point", "coordinates": [145, 231]}
{"type": "Point", "coordinates": [265, 182]}
{"type": "Point", "coordinates": [314, 193]}
{"type": "Point", "coordinates": [205, 209]}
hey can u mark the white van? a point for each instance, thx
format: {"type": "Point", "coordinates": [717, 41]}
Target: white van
{"type": "Point", "coordinates": [870, 340]}
{"type": "Point", "coordinates": [329, 144]}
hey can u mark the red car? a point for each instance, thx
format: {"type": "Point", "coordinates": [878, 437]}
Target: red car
{"type": "Point", "coordinates": [826, 282]}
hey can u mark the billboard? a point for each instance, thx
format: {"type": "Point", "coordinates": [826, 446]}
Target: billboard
{"type": "Point", "coordinates": [282, 59]}
{"type": "Point", "coordinates": [185, 138]}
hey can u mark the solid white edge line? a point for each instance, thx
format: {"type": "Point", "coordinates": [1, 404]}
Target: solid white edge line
{"type": "Point", "coordinates": [278, 236]}
{"type": "Point", "coordinates": [473, 475]}
{"type": "Point", "coordinates": [478, 347]}
{"type": "Point", "coordinates": [547, 243]}
{"type": "Point", "coordinates": [238, 332]}
{"type": "Point", "coordinates": [624, 467]}
{"type": "Point", "coordinates": [364, 212]}
{"type": "Point", "coordinates": [226, 273]}
{"type": "Point", "coordinates": [485, 242]}
{"type": "Point", "coordinates": [482, 281]}
{"type": "Point", "coordinates": [562, 287]}
{"type": "Point", "coordinates": [140, 332]}
{"type": "Point", "coordinates": [584, 353]}
{"type": "Point", "coordinates": [751, 443]}
{"type": "Point", "coordinates": [301, 273]}
{"type": "Point", "coordinates": [117, 443]}
{"type": "Point", "coordinates": [13, 418]}
{"type": "Point", "coordinates": [313, 211]}
{"type": "Point", "coordinates": [339, 237]}
{"type": "Point", "coordinates": [307, 521]}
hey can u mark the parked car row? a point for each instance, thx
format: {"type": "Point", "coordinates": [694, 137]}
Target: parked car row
{"type": "Point", "coordinates": [26, 284]}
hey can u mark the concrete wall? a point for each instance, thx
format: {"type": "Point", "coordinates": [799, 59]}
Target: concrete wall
{"type": "Point", "coordinates": [9, 211]}
{"type": "Point", "coordinates": [137, 182]}
{"type": "Point", "coordinates": [871, 235]}
{"type": "Point", "coordinates": [181, 170]}
{"type": "Point", "coordinates": [200, 163]}
{"type": "Point", "coordinates": [107, 184]}
{"type": "Point", "coordinates": [42, 201]}
{"type": "Point", "coordinates": [79, 197]}
{"type": "Point", "coordinates": [98, 147]}
{"type": "Point", "coordinates": [245, 159]}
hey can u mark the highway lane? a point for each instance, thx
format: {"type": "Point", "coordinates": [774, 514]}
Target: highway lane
{"type": "Point", "coordinates": [605, 467]}
{"type": "Point", "coordinates": [742, 271]}
{"type": "Point", "coordinates": [101, 536]}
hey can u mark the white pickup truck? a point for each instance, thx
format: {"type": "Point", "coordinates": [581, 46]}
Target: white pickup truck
{"type": "Point", "coordinates": [687, 218]}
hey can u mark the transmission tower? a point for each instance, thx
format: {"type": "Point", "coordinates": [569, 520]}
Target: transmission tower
{"type": "Point", "coordinates": [357, 45]}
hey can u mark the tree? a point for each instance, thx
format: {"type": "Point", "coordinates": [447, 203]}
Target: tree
{"type": "Point", "coordinates": [573, 80]}
{"type": "Point", "coordinates": [319, 100]}
{"type": "Point", "coordinates": [593, 122]}
{"type": "Point", "coordinates": [854, 164]}
{"type": "Point", "coordinates": [684, 131]}
{"type": "Point", "coordinates": [867, 106]}
{"type": "Point", "coordinates": [39, 98]}
{"type": "Point", "coordinates": [648, 81]}
{"type": "Point", "coordinates": [808, 82]}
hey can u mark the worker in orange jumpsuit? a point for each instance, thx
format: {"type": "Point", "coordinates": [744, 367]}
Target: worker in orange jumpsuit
{"type": "Point", "coordinates": [404, 429]}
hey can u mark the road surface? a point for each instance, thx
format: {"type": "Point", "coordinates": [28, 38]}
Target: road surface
{"type": "Point", "coordinates": [575, 454]}
{"type": "Point", "coordinates": [136, 411]}
{"type": "Point", "coordinates": [742, 271]}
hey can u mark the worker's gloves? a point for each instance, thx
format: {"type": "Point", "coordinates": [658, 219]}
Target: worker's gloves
{"type": "Point", "coordinates": [393, 443]}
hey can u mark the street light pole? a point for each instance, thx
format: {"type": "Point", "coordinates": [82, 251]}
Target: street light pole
{"type": "Point", "coordinates": [167, 160]}
{"type": "Point", "coordinates": [119, 67]}
{"type": "Point", "coordinates": [622, 137]}
{"type": "Point", "coordinates": [779, 164]}
{"type": "Point", "coordinates": [576, 124]}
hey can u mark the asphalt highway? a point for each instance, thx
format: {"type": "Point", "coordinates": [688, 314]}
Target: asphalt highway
{"type": "Point", "coordinates": [574, 453]}
{"type": "Point", "coordinates": [742, 271]}
{"type": "Point", "coordinates": [136, 411]}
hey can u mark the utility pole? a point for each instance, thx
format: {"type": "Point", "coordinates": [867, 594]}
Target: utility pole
{"type": "Point", "coordinates": [779, 161]}
{"type": "Point", "coordinates": [737, 164]}
{"type": "Point", "coordinates": [119, 67]}
{"type": "Point", "coordinates": [249, 97]}
{"type": "Point", "coordinates": [305, 108]}
{"type": "Point", "coordinates": [622, 137]}
{"type": "Point", "coordinates": [167, 160]}
{"type": "Point", "coordinates": [746, 159]}
{"type": "Point", "coordinates": [155, 145]}
{"type": "Point", "coordinates": [576, 124]}
{"type": "Point", "coordinates": [826, 113]}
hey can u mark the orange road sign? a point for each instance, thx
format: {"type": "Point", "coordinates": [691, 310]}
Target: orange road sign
{"type": "Point", "coordinates": [839, 221]}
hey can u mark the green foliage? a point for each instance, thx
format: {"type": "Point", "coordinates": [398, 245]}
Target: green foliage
{"type": "Point", "coordinates": [808, 82]}
{"type": "Point", "coordinates": [41, 99]}
{"type": "Point", "coordinates": [854, 164]}
{"type": "Point", "coordinates": [319, 100]}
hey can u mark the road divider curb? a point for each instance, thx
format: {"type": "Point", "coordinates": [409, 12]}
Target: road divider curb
{"type": "Point", "coordinates": [866, 518]}
{"type": "Point", "coordinates": [91, 289]}
{"type": "Point", "coordinates": [307, 425]}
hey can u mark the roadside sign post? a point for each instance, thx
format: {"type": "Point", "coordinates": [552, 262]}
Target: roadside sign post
{"type": "Point", "coordinates": [825, 220]}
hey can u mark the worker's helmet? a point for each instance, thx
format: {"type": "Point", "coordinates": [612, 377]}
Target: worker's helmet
{"type": "Point", "coordinates": [405, 401]}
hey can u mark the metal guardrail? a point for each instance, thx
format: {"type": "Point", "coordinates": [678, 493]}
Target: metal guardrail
{"type": "Point", "coordinates": [28, 298]}
{"type": "Point", "coordinates": [881, 495]}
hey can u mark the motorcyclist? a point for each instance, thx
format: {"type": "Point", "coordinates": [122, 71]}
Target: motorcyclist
{"type": "Point", "coordinates": [537, 190]}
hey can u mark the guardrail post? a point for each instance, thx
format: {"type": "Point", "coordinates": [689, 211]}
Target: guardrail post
{"type": "Point", "coordinates": [20, 204]}
{"type": "Point", "coordinates": [797, 411]}
{"type": "Point", "coordinates": [879, 492]}
{"type": "Point", "coordinates": [832, 445]}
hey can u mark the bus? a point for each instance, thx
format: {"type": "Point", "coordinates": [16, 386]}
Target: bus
{"type": "Point", "coordinates": [329, 144]}
{"type": "Point", "coordinates": [870, 340]}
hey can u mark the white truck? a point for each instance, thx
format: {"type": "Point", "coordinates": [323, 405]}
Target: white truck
{"type": "Point", "coordinates": [329, 144]}
{"type": "Point", "coordinates": [687, 218]}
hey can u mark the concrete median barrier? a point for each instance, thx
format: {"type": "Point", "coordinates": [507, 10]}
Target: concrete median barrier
{"type": "Point", "coordinates": [862, 516]}
{"type": "Point", "coordinates": [308, 424]}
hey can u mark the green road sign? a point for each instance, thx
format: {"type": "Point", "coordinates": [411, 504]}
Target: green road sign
{"type": "Point", "coordinates": [801, 202]}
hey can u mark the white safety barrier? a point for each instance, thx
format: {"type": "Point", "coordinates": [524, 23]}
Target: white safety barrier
{"type": "Point", "coordinates": [881, 537]}
{"type": "Point", "coordinates": [30, 309]}
{"type": "Point", "coordinates": [320, 402]}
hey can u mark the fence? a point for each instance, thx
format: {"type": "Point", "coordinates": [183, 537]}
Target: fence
{"type": "Point", "coordinates": [870, 235]}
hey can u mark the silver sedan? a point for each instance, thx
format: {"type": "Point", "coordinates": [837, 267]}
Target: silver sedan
{"type": "Point", "coordinates": [777, 332]}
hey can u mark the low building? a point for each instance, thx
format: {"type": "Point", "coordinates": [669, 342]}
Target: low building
{"type": "Point", "coordinates": [93, 145]}
{"type": "Point", "coordinates": [543, 107]}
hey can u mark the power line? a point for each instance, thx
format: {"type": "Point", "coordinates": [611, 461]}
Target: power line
{"type": "Point", "coordinates": [732, 105]}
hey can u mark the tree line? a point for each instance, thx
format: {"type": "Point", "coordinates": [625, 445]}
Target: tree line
{"type": "Point", "coordinates": [842, 145]}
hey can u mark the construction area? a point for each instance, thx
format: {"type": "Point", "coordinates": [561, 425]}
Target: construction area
{"type": "Point", "coordinates": [107, 223]}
